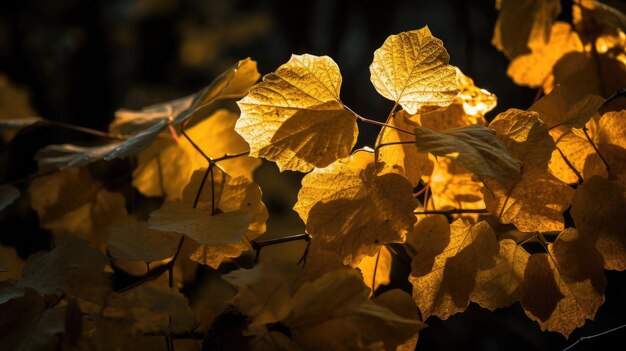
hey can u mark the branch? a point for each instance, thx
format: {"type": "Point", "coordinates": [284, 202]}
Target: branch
{"type": "Point", "coordinates": [371, 121]}
{"type": "Point", "coordinates": [452, 211]}
{"type": "Point", "coordinates": [258, 245]}
{"type": "Point", "coordinates": [583, 338]}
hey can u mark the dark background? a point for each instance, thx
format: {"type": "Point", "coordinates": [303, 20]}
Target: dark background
{"type": "Point", "coordinates": [82, 60]}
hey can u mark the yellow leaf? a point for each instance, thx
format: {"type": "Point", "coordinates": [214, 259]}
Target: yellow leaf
{"type": "Point", "coordinates": [200, 225]}
{"type": "Point", "coordinates": [598, 212]}
{"type": "Point", "coordinates": [476, 101]}
{"type": "Point", "coordinates": [334, 313]}
{"type": "Point", "coordinates": [565, 287]}
{"type": "Point", "coordinates": [501, 285]}
{"type": "Point", "coordinates": [474, 147]}
{"type": "Point", "coordinates": [593, 18]}
{"type": "Point", "coordinates": [295, 117]}
{"type": "Point", "coordinates": [523, 24]}
{"type": "Point", "coordinates": [131, 239]}
{"type": "Point", "coordinates": [231, 194]}
{"type": "Point", "coordinates": [166, 167]}
{"type": "Point", "coordinates": [403, 157]}
{"type": "Point", "coordinates": [443, 276]}
{"type": "Point", "coordinates": [353, 208]}
{"type": "Point", "coordinates": [87, 214]}
{"type": "Point", "coordinates": [557, 108]}
{"type": "Point", "coordinates": [535, 202]}
{"type": "Point", "coordinates": [264, 293]}
{"type": "Point", "coordinates": [380, 264]}
{"type": "Point", "coordinates": [535, 69]}
{"type": "Point", "coordinates": [411, 68]}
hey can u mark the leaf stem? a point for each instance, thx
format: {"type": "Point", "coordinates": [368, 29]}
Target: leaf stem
{"type": "Point", "coordinates": [258, 245]}
{"type": "Point", "coordinates": [229, 156]}
{"type": "Point", "coordinates": [583, 338]}
{"type": "Point", "coordinates": [452, 211]}
{"type": "Point", "coordinates": [571, 166]}
{"type": "Point", "coordinates": [606, 164]}
{"type": "Point", "coordinates": [375, 269]}
{"type": "Point", "coordinates": [371, 121]}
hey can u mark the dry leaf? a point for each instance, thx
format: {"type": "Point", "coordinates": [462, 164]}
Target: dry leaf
{"type": "Point", "coordinates": [353, 208]}
{"type": "Point", "coordinates": [295, 117]}
{"type": "Point", "coordinates": [445, 267]}
{"type": "Point", "coordinates": [565, 287]}
{"type": "Point", "coordinates": [523, 25]}
{"type": "Point", "coordinates": [411, 68]}
{"type": "Point", "coordinates": [474, 147]}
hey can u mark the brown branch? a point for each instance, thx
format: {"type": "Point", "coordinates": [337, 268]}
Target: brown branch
{"type": "Point", "coordinates": [258, 245]}
{"type": "Point", "coordinates": [452, 211]}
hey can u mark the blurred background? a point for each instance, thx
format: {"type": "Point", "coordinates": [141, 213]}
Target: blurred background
{"type": "Point", "coordinates": [78, 61]}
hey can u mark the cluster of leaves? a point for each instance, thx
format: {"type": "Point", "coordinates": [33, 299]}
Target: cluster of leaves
{"type": "Point", "coordinates": [467, 201]}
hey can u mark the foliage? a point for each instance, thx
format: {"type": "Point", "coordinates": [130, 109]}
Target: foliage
{"type": "Point", "coordinates": [463, 202]}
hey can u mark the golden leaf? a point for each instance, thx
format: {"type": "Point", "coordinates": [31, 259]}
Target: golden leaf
{"type": "Point", "coordinates": [334, 313]}
{"type": "Point", "coordinates": [474, 147]}
{"type": "Point", "coordinates": [402, 304]}
{"type": "Point", "coordinates": [411, 68]}
{"type": "Point", "coordinates": [501, 285]}
{"type": "Point", "coordinates": [476, 101]}
{"type": "Point", "coordinates": [353, 208]}
{"type": "Point", "coordinates": [164, 169]}
{"type": "Point", "coordinates": [564, 287]}
{"type": "Point", "coordinates": [231, 195]}
{"type": "Point", "coordinates": [537, 201]}
{"type": "Point", "coordinates": [535, 69]}
{"type": "Point", "coordinates": [445, 267]}
{"type": "Point", "coordinates": [379, 264]}
{"type": "Point", "coordinates": [131, 239]}
{"type": "Point", "coordinates": [598, 212]}
{"type": "Point", "coordinates": [523, 24]}
{"type": "Point", "coordinates": [295, 117]}
{"type": "Point", "coordinates": [88, 215]}
{"type": "Point", "coordinates": [403, 157]}
{"type": "Point", "coordinates": [593, 18]}
{"type": "Point", "coordinates": [556, 108]}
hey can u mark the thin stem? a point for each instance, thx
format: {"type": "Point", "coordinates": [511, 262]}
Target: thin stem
{"type": "Point", "coordinates": [606, 164]}
{"type": "Point", "coordinates": [375, 269]}
{"type": "Point", "coordinates": [570, 165]}
{"type": "Point", "coordinates": [212, 190]}
{"type": "Point", "coordinates": [615, 95]}
{"type": "Point", "coordinates": [258, 245]}
{"type": "Point", "coordinates": [452, 211]}
{"type": "Point", "coordinates": [195, 146]}
{"type": "Point", "coordinates": [583, 338]}
{"type": "Point", "coordinates": [229, 156]}
{"type": "Point", "coordinates": [538, 95]}
{"type": "Point", "coordinates": [305, 254]}
{"type": "Point", "coordinates": [371, 121]}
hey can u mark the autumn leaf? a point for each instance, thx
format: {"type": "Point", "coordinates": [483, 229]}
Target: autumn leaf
{"type": "Point", "coordinates": [592, 18]}
{"type": "Point", "coordinates": [558, 109]}
{"type": "Point", "coordinates": [475, 100]}
{"type": "Point", "coordinates": [376, 269]}
{"type": "Point", "coordinates": [501, 285]}
{"type": "Point", "coordinates": [402, 304]}
{"type": "Point", "coordinates": [474, 147]}
{"type": "Point", "coordinates": [164, 169]}
{"type": "Point", "coordinates": [73, 268]}
{"type": "Point", "coordinates": [403, 157]}
{"type": "Point", "coordinates": [353, 208]}
{"type": "Point", "coordinates": [239, 194]}
{"type": "Point", "coordinates": [537, 201]}
{"type": "Point", "coordinates": [334, 313]}
{"type": "Point", "coordinates": [295, 117]}
{"type": "Point", "coordinates": [523, 24]}
{"type": "Point", "coordinates": [88, 215]}
{"type": "Point", "coordinates": [444, 275]}
{"type": "Point", "coordinates": [564, 287]}
{"type": "Point", "coordinates": [27, 325]}
{"type": "Point", "coordinates": [597, 210]}
{"type": "Point", "coordinates": [131, 239]}
{"type": "Point", "coordinates": [411, 68]}
{"type": "Point", "coordinates": [265, 292]}
{"type": "Point", "coordinates": [534, 69]}
{"type": "Point", "coordinates": [8, 194]}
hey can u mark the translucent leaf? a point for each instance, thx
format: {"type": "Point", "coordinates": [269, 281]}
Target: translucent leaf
{"type": "Point", "coordinates": [353, 207]}
{"type": "Point", "coordinates": [131, 239]}
{"type": "Point", "coordinates": [200, 225]}
{"type": "Point", "coordinates": [380, 264]}
{"type": "Point", "coordinates": [523, 24]}
{"type": "Point", "coordinates": [411, 68]}
{"type": "Point", "coordinates": [295, 117]}
{"type": "Point", "coordinates": [535, 69]}
{"type": "Point", "coordinates": [565, 287]}
{"type": "Point", "coordinates": [557, 109]}
{"type": "Point", "coordinates": [474, 147]}
{"type": "Point", "coordinates": [446, 264]}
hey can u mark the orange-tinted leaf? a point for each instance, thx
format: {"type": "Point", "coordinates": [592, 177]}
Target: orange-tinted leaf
{"type": "Point", "coordinates": [131, 239]}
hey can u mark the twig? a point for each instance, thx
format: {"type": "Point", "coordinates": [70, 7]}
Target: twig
{"type": "Point", "coordinates": [229, 156]}
{"type": "Point", "coordinates": [583, 338]}
{"type": "Point", "coordinates": [258, 245]}
{"type": "Point", "coordinates": [452, 211]}
{"type": "Point", "coordinates": [375, 269]}
{"type": "Point", "coordinates": [371, 121]}
{"type": "Point", "coordinates": [305, 254]}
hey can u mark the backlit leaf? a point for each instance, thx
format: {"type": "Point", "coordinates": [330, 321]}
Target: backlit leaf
{"type": "Point", "coordinates": [353, 208]}
{"type": "Point", "coordinates": [131, 239]}
{"type": "Point", "coordinates": [444, 276]}
{"type": "Point", "coordinates": [557, 108]}
{"type": "Point", "coordinates": [380, 265]}
{"type": "Point", "coordinates": [295, 117]}
{"type": "Point", "coordinates": [411, 68]}
{"type": "Point", "coordinates": [564, 287]}
{"type": "Point", "coordinates": [474, 147]}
